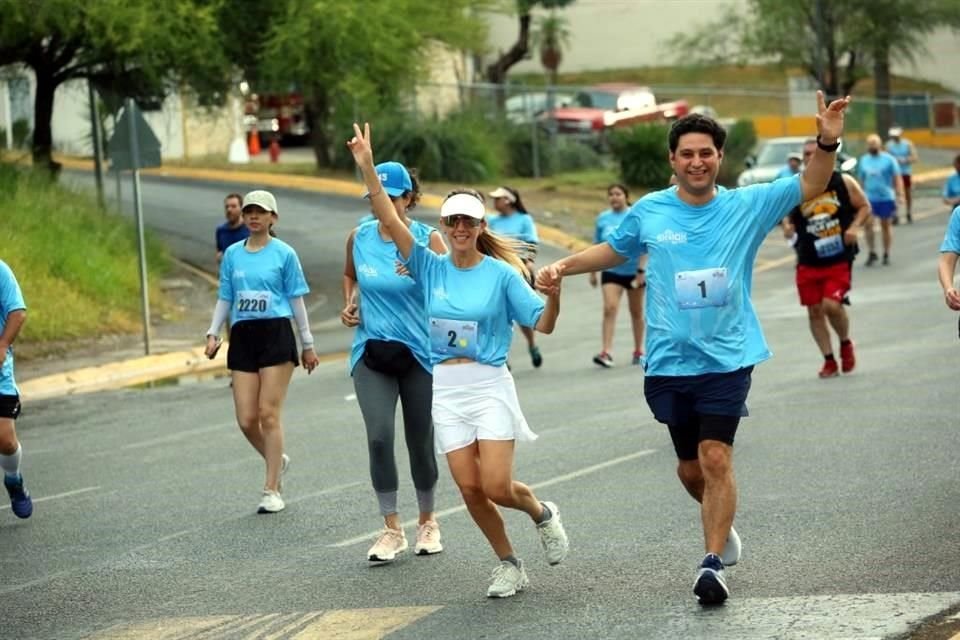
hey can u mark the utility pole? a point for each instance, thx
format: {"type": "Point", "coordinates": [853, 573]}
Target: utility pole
{"type": "Point", "coordinates": [97, 146]}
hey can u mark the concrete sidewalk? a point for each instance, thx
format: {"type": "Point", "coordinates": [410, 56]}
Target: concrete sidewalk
{"type": "Point", "coordinates": [145, 369]}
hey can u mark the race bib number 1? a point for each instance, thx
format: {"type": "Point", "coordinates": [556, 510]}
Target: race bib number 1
{"type": "Point", "coordinates": [702, 288]}
{"type": "Point", "coordinates": [453, 338]}
{"type": "Point", "coordinates": [253, 303]}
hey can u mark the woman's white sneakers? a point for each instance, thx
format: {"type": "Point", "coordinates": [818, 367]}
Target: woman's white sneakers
{"type": "Point", "coordinates": [428, 539]}
{"type": "Point", "coordinates": [731, 552]}
{"type": "Point", "coordinates": [271, 502]}
{"type": "Point", "coordinates": [552, 536]}
{"type": "Point", "coordinates": [388, 545]}
{"type": "Point", "coordinates": [507, 580]}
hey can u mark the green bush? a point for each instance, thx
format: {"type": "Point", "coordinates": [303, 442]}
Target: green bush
{"type": "Point", "coordinates": [520, 152]}
{"type": "Point", "coordinates": [641, 152]}
{"type": "Point", "coordinates": [741, 139]}
{"type": "Point", "coordinates": [570, 155]}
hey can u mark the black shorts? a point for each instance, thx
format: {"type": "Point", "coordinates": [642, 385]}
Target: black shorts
{"type": "Point", "coordinates": [255, 344]}
{"type": "Point", "coordinates": [608, 277]}
{"type": "Point", "coordinates": [695, 408]}
{"type": "Point", "coordinates": [9, 406]}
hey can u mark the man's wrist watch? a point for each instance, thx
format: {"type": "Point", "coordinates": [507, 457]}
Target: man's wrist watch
{"type": "Point", "coordinates": [829, 148]}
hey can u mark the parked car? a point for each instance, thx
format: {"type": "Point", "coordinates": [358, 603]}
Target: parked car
{"type": "Point", "coordinates": [595, 110]}
{"type": "Point", "coordinates": [771, 156]}
{"type": "Point", "coordinates": [524, 107]}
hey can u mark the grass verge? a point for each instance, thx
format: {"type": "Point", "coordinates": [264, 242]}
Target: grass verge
{"type": "Point", "coordinates": [77, 265]}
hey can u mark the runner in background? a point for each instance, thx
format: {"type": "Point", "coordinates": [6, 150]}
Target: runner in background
{"type": "Point", "coordinates": [13, 313]}
{"type": "Point", "coordinates": [879, 172]}
{"type": "Point", "coordinates": [233, 230]}
{"type": "Point", "coordinates": [905, 154]}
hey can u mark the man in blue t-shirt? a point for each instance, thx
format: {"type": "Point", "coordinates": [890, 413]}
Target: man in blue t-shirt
{"type": "Point", "coordinates": [951, 190]}
{"type": "Point", "coordinates": [13, 313]}
{"type": "Point", "coordinates": [233, 230]}
{"type": "Point", "coordinates": [703, 336]}
{"type": "Point", "coordinates": [949, 252]}
{"type": "Point", "coordinates": [879, 173]}
{"type": "Point", "coordinates": [905, 154]}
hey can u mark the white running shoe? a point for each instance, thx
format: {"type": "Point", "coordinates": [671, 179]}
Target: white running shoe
{"type": "Point", "coordinates": [388, 545]}
{"type": "Point", "coordinates": [552, 536]}
{"type": "Point", "coordinates": [507, 580]}
{"type": "Point", "coordinates": [284, 465]}
{"type": "Point", "coordinates": [603, 359]}
{"type": "Point", "coordinates": [731, 552]}
{"type": "Point", "coordinates": [428, 539]}
{"type": "Point", "coordinates": [271, 502]}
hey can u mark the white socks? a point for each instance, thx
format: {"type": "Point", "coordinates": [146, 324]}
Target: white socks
{"type": "Point", "coordinates": [11, 464]}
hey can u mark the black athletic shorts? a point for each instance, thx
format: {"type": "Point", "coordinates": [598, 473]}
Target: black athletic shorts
{"type": "Point", "coordinates": [702, 407]}
{"type": "Point", "coordinates": [608, 277]}
{"type": "Point", "coordinates": [255, 344]}
{"type": "Point", "coordinates": [9, 406]}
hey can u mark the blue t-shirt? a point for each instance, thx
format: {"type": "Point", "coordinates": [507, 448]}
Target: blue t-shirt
{"type": "Point", "coordinates": [259, 284]}
{"type": "Point", "coordinates": [700, 318]}
{"type": "Point", "coordinates": [391, 305]}
{"type": "Point", "coordinates": [951, 239]}
{"type": "Point", "coordinates": [519, 226]}
{"type": "Point", "coordinates": [877, 173]}
{"type": "Point", "coordinates": [901, 153]}
{"type": "Point", "coordinates": [470, 312]}
{"type": "Point", "coordinates": [952, 188]}
{"type": "Point", "coordinates": [607, 222]}
{"type": "Point", "coordinates": [226, 236]}
{"type": "Point", "coordinates": [11, 299]}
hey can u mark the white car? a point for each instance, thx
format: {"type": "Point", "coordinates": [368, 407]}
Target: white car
{"type": "Point", "coordinates": [771, 156]}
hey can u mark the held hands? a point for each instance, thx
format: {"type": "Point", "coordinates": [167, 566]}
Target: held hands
{"type": "Point", "coordinates": [401, 269]}
{"type": "Point", "coordinates": [548, 279]}
{"type": "Point", "coordinates": [213, 346]}
{"type": "Point", "coordinates": [349, 316]}
{"type": "Point", "coordinates": [359, 145]}
{"type": "Point", "coordinates": [830, 118]}
{"type": "Point", "coordinates": [309, 359]}
{"type": "Point", "coordinates": [952, 297]}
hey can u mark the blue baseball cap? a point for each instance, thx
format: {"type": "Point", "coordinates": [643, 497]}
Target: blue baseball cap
{"type": "Point", "coordinates": [395, 179]}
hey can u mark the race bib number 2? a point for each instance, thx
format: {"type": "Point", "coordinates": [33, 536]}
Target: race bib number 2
{"type": "Point", "coordinates": [702, 288]}
{"type": "Point", "coordinates": [453, 338]}
{"type": "Point", "coordinates": [253, 303]}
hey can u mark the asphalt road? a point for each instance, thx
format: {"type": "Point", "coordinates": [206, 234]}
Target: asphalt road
{"type": "Point", "coordinates": [145, 526]}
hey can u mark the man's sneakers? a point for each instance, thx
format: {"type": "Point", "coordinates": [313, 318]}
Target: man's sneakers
{"type": "Point", "coordinates": [388, 545]}
{"type": "Point", "coordinates": [270, 502]}
{"type": "Point", "coordinates": [535, 357]}
{"type": "Point", "coordinates": [603, 359]}
{"type": "Point", "coordinates": [710, 586]}
{"type": "Point", "coordinates": [872, 259]}
{"type": "Point", "coordinates": [731, 551]}
{"type": "Point", "coordinates": [553, 538]}
{"type": "Point", "coordinates": [848, 359]}
{"type": "Point", "coordinates": [829, 369]}
{"type": "Point", "coordinates": [637, 358]}
{"type": "Point", "coordinates": [507, 580]}
{"type": "Point", "coordinates": [20, 502]}
{"type": "Point", "coordinates": [886, 260]}
{"type": "Point", "coordinates": [428, 539]}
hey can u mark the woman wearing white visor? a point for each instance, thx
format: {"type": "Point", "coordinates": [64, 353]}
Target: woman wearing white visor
{"type": "Point", "coordinates": [473, 295]}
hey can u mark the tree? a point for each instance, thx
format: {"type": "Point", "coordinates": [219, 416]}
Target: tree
{"type": "Point", "coordinates": [137, 48]}
{"type": "Point", "coordinates": [551, 36]}
{"type": "Point", "coordinates": [364, 52]}
{"type": "Point", "coordinates": [497, 70]}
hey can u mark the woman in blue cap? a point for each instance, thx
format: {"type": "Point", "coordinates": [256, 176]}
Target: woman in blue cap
{"type": "Point", "coordinates": [390, 360]}
{"type": "Point", "coordinates": [472, 297]}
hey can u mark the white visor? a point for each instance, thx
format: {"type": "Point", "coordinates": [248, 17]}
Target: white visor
{"type": "Point", "coordinates": [462, 204]}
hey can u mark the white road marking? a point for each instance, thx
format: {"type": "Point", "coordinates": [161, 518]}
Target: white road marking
{"type": "Point", "coordinates": [57, 496]}
{"type": "Point", "coordinates": [350, 397]}
{"type": "Point", "coordinates": [539, 485]}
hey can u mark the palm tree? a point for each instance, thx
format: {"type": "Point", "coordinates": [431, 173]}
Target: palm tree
{"type": "Point", "coordinates": [551, 35]}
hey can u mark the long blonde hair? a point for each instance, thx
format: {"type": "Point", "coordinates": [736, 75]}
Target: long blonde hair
{"type": "Point", "coordinates": [496, 246]}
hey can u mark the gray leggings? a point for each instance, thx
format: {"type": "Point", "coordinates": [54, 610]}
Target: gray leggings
{"type": "Point", "coordinates": [377, 395]}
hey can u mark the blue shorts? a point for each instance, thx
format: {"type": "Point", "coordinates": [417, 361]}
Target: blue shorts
{"type": "Point", "coordinates": [884, 209]}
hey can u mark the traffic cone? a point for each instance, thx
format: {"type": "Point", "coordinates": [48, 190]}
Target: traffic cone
{"type": "Point", "coordinates": [253, 143]}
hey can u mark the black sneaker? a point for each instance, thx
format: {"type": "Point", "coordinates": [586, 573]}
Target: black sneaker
{"type": "Point", "coordinates": [535, 357]}
{"type": "Point", "coordinates": [872, 260]}
{"type": "Point", "coordinates": [909, 218]}
{"type": "Point", "coordinates": [896, 220]}
{"type": "Point", "coordinates": [710, 586]}
{"type": "Point", "coordinates": [886, 260]}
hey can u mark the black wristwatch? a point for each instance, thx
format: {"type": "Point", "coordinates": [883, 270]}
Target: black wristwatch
{"type": "Point", "coordinates": [829, 148]}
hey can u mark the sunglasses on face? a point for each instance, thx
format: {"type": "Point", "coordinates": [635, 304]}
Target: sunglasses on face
{"type": "Point", "coordinates": [453, 221]}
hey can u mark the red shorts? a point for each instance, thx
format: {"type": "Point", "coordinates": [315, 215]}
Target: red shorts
{"type": "Point", "coordinates": [814, 284]}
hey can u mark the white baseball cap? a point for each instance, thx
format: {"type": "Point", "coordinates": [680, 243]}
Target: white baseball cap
{"type": "Point", "coordinates": [500, 192]}
{"type": "Point", "coordinates": [895, 132]}
{"type": "Point", "coordinates": [263, 199]}
{"type": "Point", "coordinates": [462, 204]}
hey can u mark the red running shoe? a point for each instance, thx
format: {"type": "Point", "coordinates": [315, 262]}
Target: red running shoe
{"type": "Point", "coordinates": [829, 369]}
{"type": "Point", "coordinates": [848, 360]}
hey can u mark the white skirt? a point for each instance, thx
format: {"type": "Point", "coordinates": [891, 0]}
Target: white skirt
{"type": "Point", "coordinates": [473, 401]}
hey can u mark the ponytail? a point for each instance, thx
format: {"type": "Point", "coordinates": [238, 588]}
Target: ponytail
{"type": "Point", "coordinates": [505, 249]}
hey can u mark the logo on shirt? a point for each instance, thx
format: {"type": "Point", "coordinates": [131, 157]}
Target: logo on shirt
{"type": "Point", "coordinates": [440, 293]}
{"type": "Point", "coordinates": [367, 270]}
{"type": "Point", "coordinates": [672, 237]}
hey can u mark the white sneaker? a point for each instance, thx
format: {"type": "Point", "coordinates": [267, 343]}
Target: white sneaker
{"type": "Point", "coordinates": [428, 539]}
{"type": "Point", "coordinates": [388, 545]}
{"type": "Point", "coordinates": [603, 359]}
{"type": "Point", "coordinates": [552, 536]}
{"type": "Point", "coordinates": [284, 465]}
{"type": "Point", "coordinates": [731, 552]}
{"type": "Point", "coordinates": [271, 502]}
{"type": "Point", "coordinates": [507, 580]}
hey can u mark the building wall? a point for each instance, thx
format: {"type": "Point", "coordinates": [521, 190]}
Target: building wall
{"type": "Point", "coordinates": [611, 34]}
